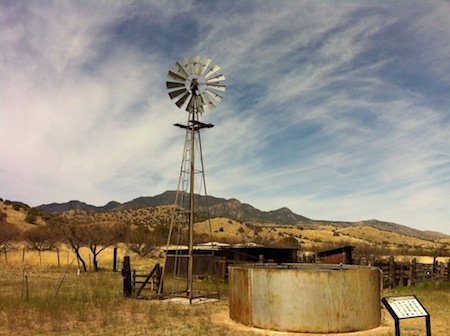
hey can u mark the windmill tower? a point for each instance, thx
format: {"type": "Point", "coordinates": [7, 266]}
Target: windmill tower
{"type": "Point", "coordinates": [194, 85]}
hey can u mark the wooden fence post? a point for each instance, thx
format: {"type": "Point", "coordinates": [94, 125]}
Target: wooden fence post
{"type": "Point", "coordinates": [57, 256]}
{"type": "Point", "coordinates": [448, 270]}
{"type": "Point", "coordinates": [442, 270]}
{"type": "Point", "coordinates": [412, 273]}
{"type": "Point", "coordinates": [391, 271]}
{"type": "Point", "coordinates": [115, 259]}
{"type": "Point", "coordinates": [126, 274]}
{"type": "Point", "coordinates": [402, 275]}
{"type": "Point", "coordinates": [223, 267]}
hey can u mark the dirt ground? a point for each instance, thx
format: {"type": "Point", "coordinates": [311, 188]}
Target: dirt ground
{"type": "Point", "coordinates": [412, 327]}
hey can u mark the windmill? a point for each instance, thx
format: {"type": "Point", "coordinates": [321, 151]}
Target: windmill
{"type": "Point", "coordinates": [194, 85]}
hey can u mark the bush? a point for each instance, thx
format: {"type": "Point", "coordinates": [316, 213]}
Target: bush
{"type": "Point", "coordinates": [31, 216]}
{"type": "Point", "coordinates": [3, 216]}
{"type": "Point", "coordinates": [289, 242]}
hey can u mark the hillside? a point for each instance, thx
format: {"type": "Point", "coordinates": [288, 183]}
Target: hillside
{"type": "Point", "coordinates": [237, 223]}
{"type": "Point", "coordinates": [218, 207]}
{"type": "Point", "coordinates": [232, 209]}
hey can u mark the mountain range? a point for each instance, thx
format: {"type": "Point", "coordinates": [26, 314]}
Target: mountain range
{"type": "Point", "coordinates": [234, 209]}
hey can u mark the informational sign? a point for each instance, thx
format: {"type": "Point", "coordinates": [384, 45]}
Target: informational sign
{"type": "Point", "coordinates": [404, 307]}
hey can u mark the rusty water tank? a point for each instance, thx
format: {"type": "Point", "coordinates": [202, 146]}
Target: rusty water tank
{"type": "Point", "coordinates": [310, 298]}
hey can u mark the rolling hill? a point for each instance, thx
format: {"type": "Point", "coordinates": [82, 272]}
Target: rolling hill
{"type": "Point", "coordinates": [237, 223]}
{"type": "Point", "coordinates": [235, 210]}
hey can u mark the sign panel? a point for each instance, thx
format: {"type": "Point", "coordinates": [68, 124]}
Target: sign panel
{"type": "Point", "coordinates": [406, 307]}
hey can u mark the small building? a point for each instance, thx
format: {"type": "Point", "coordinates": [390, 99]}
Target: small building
{"type": "Point", "coordinates": [215, 260]}
{"type": "Point", "coordinates": [342, 255]}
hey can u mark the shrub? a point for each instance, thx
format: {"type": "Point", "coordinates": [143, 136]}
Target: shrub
{"type": "Point", "coordinates": [3, 216]}
{"type": "Point", "coordinates": [289, 242]}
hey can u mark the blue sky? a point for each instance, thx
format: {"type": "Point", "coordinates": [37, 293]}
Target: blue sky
{"type": "Point", "coordinates": [338, 110]}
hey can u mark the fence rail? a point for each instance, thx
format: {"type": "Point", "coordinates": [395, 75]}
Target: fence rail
{"type": "Point", "coordinates": [134, 284]}
{"type": "Point", "coordinates": [410, 273]}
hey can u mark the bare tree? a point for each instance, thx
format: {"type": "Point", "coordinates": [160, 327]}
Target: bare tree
{"type": "Point", "coordinates": [74, 237]}
{"type": "Point", "coordinates": [101, 236]}
{"type": "Point", "coordinates": [9, 234]}
{"type": "Point", "coordinates": [41, 238]}
{"type": "Point", "coordinates": [141, 241]}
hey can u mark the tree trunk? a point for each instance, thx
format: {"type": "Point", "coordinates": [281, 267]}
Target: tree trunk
{"type": "Point", "coordinates": [80, 259]}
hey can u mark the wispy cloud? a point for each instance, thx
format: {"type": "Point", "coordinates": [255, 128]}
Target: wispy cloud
{"type": "Point", "coordinates": [336, 110]}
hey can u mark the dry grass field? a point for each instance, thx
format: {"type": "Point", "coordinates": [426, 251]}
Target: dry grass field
{"type": "Point", "coordinates": [46, 294]}
{"type": "Point", "coordinates": [52, 300]}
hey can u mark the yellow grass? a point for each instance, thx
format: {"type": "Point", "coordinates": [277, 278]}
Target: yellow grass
{"type": "Point", "coordinates": [91, 303]}
{"type": "Point", "coordinates": [375, 235]}
{"type": "Point", "coordinates": [31, 258]}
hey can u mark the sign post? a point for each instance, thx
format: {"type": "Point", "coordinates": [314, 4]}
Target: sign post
{"type": "Point", "coordinates": [405, 307]}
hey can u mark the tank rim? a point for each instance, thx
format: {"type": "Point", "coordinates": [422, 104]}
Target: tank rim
{"type": "Point", "coordinates": [303, 266]}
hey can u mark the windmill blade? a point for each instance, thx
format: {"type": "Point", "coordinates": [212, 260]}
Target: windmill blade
{"type": "Point", "coordinates": [187, 65]}
{"type": "Point", "coordinates": [181, 101]}
{"type": "Point", "coordinates": [200, 104]}
{"type": "Point", "coordinates": [173, 85]}
{"type": "Point", "coordinates": [205, 66]}
{"type": "Point", "coordinates": [197, 65]}
{"type": "Point", "coordinates": [217, 87]}
{"type": "Point", "coordinates": [214, 95]}
{"type": "Point", "coordinates": [175, 76]}
{"type": "Point", "coordinates": [177, 93]}
{"type": "Point", "coordinates": [190, 105]}
{"type": "Point", "coordinates": [218, 78]}
{"type": "Point", "coordinates": [200, 100]}
{"type": "Point", "coordinates": [178, 68]}
{"type": "Point", "coordinates": [204, 79]}
{"type": "Point", "coordinates": [207, 101]}
{"type": "Point", "coordinates": [212, 71]}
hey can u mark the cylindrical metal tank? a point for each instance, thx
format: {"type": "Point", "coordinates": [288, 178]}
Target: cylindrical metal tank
{"type": "Point", "coordinates": [311, 298]}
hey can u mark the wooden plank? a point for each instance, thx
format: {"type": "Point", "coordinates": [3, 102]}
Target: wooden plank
{"type": "Point", "coordinates": [126, 274]}
{"type": "Point", "coordinates": [150, 275]}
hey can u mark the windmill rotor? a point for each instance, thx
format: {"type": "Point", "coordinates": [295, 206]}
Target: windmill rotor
{"type": "Point", "coordinates": [195, 84]}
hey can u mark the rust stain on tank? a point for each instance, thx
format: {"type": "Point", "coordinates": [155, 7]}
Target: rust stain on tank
{"type": "Point", "coordinates": [239, 296]}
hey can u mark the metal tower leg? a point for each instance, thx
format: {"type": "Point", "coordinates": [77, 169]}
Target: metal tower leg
{"type": "Point", "coordinates": [184, 214]}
